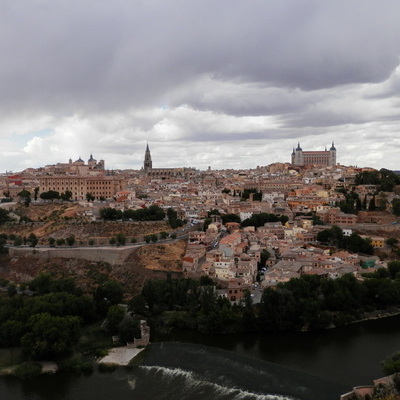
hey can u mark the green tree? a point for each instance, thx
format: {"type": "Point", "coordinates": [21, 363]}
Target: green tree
{"type": "Point", "coordinates": [138, 305]}
{"type": "Point", "coordinates": [51, 241]}
{"type": "Point", "coordinates": [372, 205]}
{"type": "Point", "coordinates": [17, 241]}
{"type": "Point", "coordinates": [230, 218]}
{"type": "Point", "coordinates": [111, 291]}
{"type": "Point", "coordinates": [4, 215]}
{"type": "Point", "coordinates": [50, 337]}
{"type": "Point", "coordinates": [392, 364]}
{"type": "Point", "coordinates": [90, 197]}
{"type": "Point", "coordinates": [50, 195]}
{"type": "Point", "coordinates": [3, 242]}
{"type": "Point", "coordinates": [278, 310]}
{"type": "Point", "coordinates": [394, 269]}
{"type": "Point", "coordinates": [129, 329]}
{"type": "Point", "coordinates": [364, 203]}
{"type": "Point", "coordinates": [257, 196]}
{"type": "Point", "coordinates": [264, 256]}
{"type": "Point", "coordinates": [149, 293]}
{"type": "Point", "coordinates": [70, 240]}
{"type": "Point", "coordinates": [115, 316]}
{"type": "Point", "coordinates": [66, 196]}
{"type": "Point", "coordinates": [28, 370]}
{"type": "Point", "coordinates": [33, 239]}
{"type": "Point", "coordinates": [120, 239]}
{"type": "Point", "coordinates": [109, 214]}
{"type": "Point", "coordinates": [260, 219]}
{"type": "Point", "coordinates": [25, 196]}
{"type": "Point", "coordinates": [163, 235]}
{"type": "Point", "coordinates": [392, 242]}
{"type": "Point", "coordinates": [396, 207]}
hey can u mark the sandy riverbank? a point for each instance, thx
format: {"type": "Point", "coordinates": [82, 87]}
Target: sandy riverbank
{"type": "Point", "coordinates": [120, 355]}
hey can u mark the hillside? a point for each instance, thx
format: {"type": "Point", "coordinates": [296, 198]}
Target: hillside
{"type": "Point", "coordinates": [63, 220]}
{"type": "Point", "coordinates": [145, 262]}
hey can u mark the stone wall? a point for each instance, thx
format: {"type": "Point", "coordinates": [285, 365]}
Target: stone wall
{"type": "Point", "coordinates": [111, 255]}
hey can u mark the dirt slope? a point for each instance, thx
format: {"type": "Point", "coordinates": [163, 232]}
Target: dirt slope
{"type": "Point", "coordinates": [145, 262]}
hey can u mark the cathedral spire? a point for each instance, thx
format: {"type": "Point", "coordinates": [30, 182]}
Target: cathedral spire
{"type": "Point", "coordinates": [148, 164]}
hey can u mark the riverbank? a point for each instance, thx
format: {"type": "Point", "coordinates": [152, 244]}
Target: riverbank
{"type": "Point", "coordinates": [121, 356]}
{"type": "Point", "coordinates": [378, 314]}
{"type": "Point", "coordinates": [349, 356]}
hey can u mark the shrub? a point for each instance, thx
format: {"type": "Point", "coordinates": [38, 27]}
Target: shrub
{"type": "Point", "coordinates": [392, 364]}
{"type": "Point", "coordinates": [28, 370]}
{"type": "Point", "coordinates": [100, 353]}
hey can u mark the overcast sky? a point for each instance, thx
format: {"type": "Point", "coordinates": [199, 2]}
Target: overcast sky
{"type": "Point", "coordinates": [226, 84]}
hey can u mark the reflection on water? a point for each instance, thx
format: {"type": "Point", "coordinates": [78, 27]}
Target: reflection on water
{"type": "Point", "coordinates": [351, 355]}
{"type": "Point", "coordinates": [302, 366]}
{"type": "Point", "coordinates": [227, 375]}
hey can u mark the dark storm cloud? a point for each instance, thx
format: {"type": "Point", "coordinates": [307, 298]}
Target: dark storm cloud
{"type": "Point", "coordinates": [99, 55]}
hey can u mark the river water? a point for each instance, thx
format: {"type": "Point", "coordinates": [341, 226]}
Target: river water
{"type": "Point", "coordinates": [303, 366]}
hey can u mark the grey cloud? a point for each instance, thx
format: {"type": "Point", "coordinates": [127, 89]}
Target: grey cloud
{"type": "Point", "coordinates": [98, 55]}
{"type": "Point", "coordinates": [117, 64]}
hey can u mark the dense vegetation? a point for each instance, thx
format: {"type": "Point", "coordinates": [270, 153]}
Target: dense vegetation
{"type": "Point", "coordinates": [152, 213]}
{"type": "Point", "coordinates": [385, 179]}
{"type": "Point", "coordinates": [54, 195]}
{"type": "Point", "coordinates": [354, 243]}
{"type": "Point", "coordinates": [49, 324]}
{"type": "Point", "coordinates": [258, 220]}
{"type": "Point", "coordinates": [257, 195]}
{"type": "Point", "coordinates": [310, 302]}
{"type": "Point", "coordinates": [4, 215]}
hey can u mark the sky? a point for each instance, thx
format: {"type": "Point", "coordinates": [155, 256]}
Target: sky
{"type": "Point", "coordinates": [226, 84]}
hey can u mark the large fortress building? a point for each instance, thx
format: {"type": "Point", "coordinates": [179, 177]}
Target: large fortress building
{"type": "Point", "coordinates": [324, 158]}
{"type": "Point", "coordinates": [80, 179]}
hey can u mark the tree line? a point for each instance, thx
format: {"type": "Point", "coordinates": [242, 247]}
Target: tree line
{"type": "Point", "coordinates": [48, 325]}
{"type": "Point", "coordinates": [310, 302]}
{"type": "Point", "coordinates": [152, 213]}
{"type": "Point", "coordinates": [385, 179]}
{"type": "Point", "coordinates": [354, 243]}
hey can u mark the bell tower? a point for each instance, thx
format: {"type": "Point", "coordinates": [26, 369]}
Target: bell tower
{"type": "Point", "coordinates": [148, 164]}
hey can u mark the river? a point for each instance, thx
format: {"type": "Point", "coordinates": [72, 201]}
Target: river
{"type": "Point", "coordinates": [302, 366]}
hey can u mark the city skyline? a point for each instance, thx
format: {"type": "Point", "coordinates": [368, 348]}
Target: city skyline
{"type": "Point", "coordinates": [226, 85]}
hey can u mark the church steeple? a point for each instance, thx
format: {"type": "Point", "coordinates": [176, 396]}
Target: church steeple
{"type": "Point", "coordinates": [148, 164]}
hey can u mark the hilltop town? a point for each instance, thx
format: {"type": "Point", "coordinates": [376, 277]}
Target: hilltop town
{"type": "Point", "coordinates": [245, 229]}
